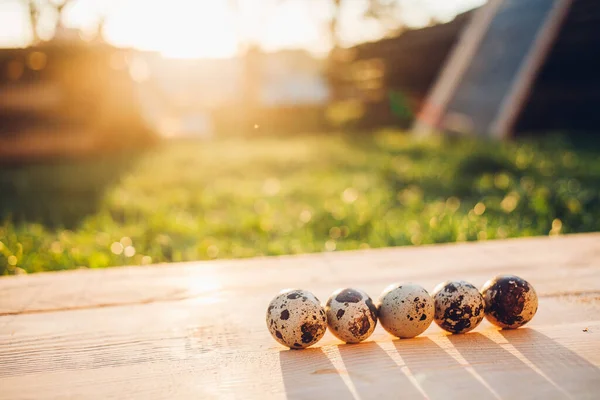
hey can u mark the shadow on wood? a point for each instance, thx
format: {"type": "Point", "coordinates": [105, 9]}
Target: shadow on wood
{"type": "Point", "coordinates": [565, 369]}
{"type": "Point", "coordinates": [497, 367]}
{"type": "Point", "coordinates": [436, 371]}
{"type": "Point", "coordinates": [374, 373]}
{"type": "Point", "coordinates": [306, 372]}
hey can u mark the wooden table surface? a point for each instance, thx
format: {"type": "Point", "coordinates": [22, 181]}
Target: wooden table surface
{"type": "Point", "coordinates": [197, 330]}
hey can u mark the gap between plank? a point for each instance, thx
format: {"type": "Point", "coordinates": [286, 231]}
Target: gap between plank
{"type": "Point", "coordinates": [576, 294]}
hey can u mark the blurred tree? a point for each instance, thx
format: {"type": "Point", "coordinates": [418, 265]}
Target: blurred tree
{"type": "Point", "coordinates": [33, 18]}
{"type": "Point", "coordinates": [251, 52]}
{"type": "Point", "coordinates": [37, 8]}
{"type": "Point", "coordinates": [386, 12]}
{"type": "Point", "coordinates": [333, 24]}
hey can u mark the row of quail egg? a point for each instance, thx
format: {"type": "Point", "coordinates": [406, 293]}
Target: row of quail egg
{"type": "Point", "coordinates": [296, 318]}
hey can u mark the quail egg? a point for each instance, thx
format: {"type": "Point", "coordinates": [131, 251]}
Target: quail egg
{"type": "Point", "coordinates": [296, 319]}
{"type": "Point", "coordinates": [459, 306]}
{"type": "Point", "coordinates": [405, 310]}
{"type": "Point", "coordinates": [351, 315]}
{"type": "Point", "coordinates": [510, 301]}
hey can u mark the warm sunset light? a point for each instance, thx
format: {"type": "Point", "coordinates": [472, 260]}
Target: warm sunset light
{"type": "Point", "coordinates": [423, 175]}
{"type": "Point", "coordinates": [187, 30]}
{"type": "Point", "coordinates": [217, 29]}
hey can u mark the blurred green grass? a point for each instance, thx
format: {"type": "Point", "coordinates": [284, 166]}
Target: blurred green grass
{"type": "Point", "coordinates": [242, 197]}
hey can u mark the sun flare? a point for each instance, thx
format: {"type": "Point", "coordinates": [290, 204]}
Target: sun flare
{"type": "Point", "coordinates": [185, 30]}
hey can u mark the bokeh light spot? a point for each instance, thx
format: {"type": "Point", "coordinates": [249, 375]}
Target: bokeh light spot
{"type": "Point", "coordinates": [305, 216]}
{"type": "Point", "coordinates": [129, 251]}
{"type": "Point", "coordinates": [479, 208]}
{"type": "Point", "coordinates": [37, 60]}
{"type": "Point", "coordinates": [335, 232]}
{"type": "Point", "coordinates": [349, 195]}
{"type": "Point", "coordinates": [126, 241]}
{"type": "Point", "coordinates": [116, 248]}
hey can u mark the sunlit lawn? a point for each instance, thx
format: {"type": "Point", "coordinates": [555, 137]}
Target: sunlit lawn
{"type": "Point", "coordinates": [269, 196]}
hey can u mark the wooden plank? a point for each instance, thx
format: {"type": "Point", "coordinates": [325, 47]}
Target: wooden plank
{"type": "Point", "coordinates": [198, 331]}
{"type": "Point", "coordinates": [548, 259]}
{"type": "Point", "coordinates": [513, 103]}
{"type": "Point", "coordinates": [454, 69]}
{"type": "Point", "coordinates": [488, 76]}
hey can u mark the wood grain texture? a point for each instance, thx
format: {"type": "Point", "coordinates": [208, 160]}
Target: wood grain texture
{"type": "Point", "coordinates": [197, 330]}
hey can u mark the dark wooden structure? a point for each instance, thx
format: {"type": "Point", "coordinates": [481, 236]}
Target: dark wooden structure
{"type": "Point", "coordinates": [521, 66]}
{"type": "Point", "coordinates": [566, 92]}
{"type": "Point", "coordinates": [391, 77]}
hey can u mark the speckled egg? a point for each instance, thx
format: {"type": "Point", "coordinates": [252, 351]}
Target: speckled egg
{"type": "Point", "coordinates": [351, 315]}
{"type": "Point", "coordinates": [510, 301]}
{"type": "Point", "coordinates": [405, 310]}
{"type": "Point", "coordinates": [296, 319]}
{"type": "Point", "coordinates": [459, 306]}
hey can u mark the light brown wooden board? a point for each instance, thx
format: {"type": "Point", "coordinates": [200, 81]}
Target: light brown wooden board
{"type": "Point", "coordinates": [197, 330]}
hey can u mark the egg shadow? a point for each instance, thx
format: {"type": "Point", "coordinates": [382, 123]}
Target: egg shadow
{"type": "Point", "coordinates": [309, 374]}
{"type": "Point", "coordinates": [374, 373]}
{"type": "Point", "coordinates": [439, 374]}
{"type": "Point", "coordinates": [504, 372]}
{"type": "Point", "coordinates": [570, 372]}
